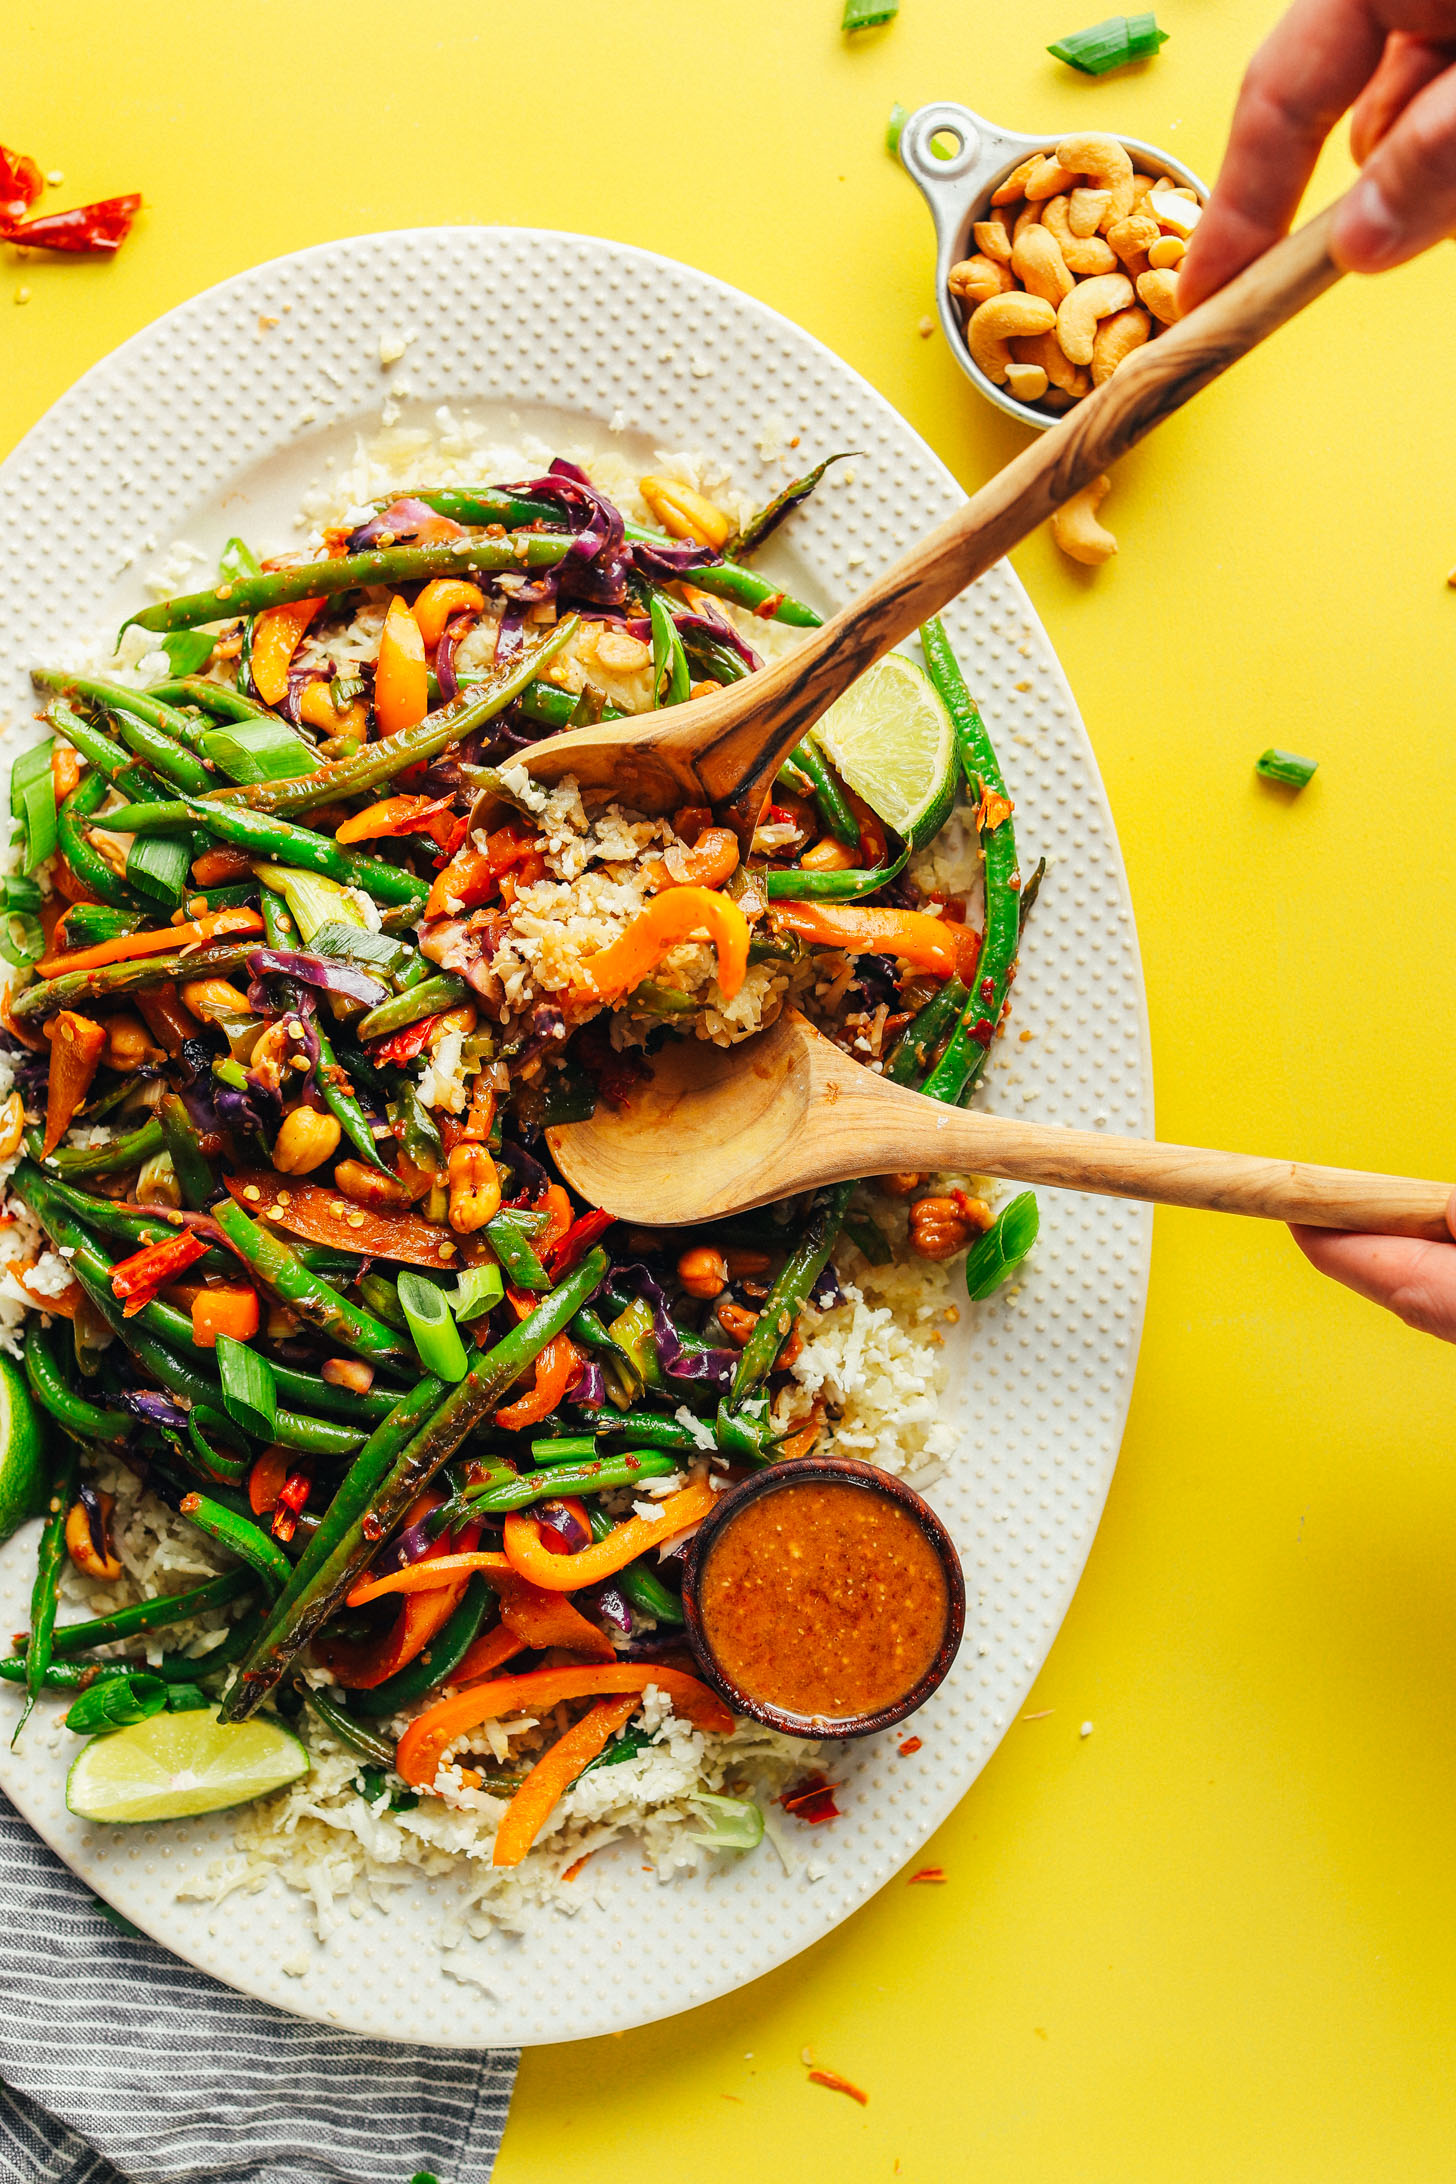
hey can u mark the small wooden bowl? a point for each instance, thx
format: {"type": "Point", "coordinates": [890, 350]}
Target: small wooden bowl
{"type": "Point", "coordinates": [822, 1470]}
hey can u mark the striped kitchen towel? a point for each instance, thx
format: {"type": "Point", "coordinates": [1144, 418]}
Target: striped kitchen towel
{"type": "Point", "coordinates": [122, 2065]}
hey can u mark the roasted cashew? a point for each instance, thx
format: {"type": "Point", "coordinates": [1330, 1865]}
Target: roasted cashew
{"type": "Point", "coordinates": [1105, 163]}
{"type": "Point", "coordinates": [1046, 350]}
{"type": "Point", "coordinates": [1048, 178]}
{"type": "Point", "coordinates": [1039, 265]}
{"type": "Point", "coordinates": [1083, 255]}
{"type": "Point", "coordinates": [1076, 529]}
{"type": "Point", "coordinates": [999, 321]}
{"type": "Point", "coordinates": [976, 280]}
{"type": "Point", "coordinates": [1172, 210]}
{"type": "Point", "coordinates": [1029, 216]}
{"type": "Point", "coordinates": [1133, 237]}
{"type": "Point", "coordinates": [1014, 186]}
{"type": "Point", "coordinates": [1078, 314]}
{"type": "Point", "coordinates": [1159, 291]}
{"type": "Point", "coordinates": [1167, 253]}
{"type": "Point", "coordinates": [1086, 210]}
{"type": "Point", "coordinates": [993, 239]}
{"type": "Point", "coordinates": [1027, 382]}
{"type": "Point", "coordinates": [1115, 340]}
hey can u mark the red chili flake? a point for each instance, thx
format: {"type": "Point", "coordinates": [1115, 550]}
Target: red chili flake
{"type": "Point", "coordinates": [812, 1801]}
{"type": "Point", "coordinates": [20, 185]}
{"type": "Point", "coordinates": [90, 231]}
{"type": "Point", "coordinates": [575, 1868]}
{"type": "Point", "coordinates": [983, 1032]}
{"type": "Point", "coordinates": [927, 1873]}
{"type": "Point", "coordinates": [910, 1746]}
{"type": "Point", "coordinates": [768, 608]}
{"type": "Point", "coordinates": [836, 2084]}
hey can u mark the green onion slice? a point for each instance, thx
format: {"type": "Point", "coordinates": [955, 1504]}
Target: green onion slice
{"type": "Point", "coordinates": [435, 1334]}
{"type": "Point", "coordinates": [237, 560]}
{"type": "Point", "coordinates": [1287, 767]}
{"type": "Point", "coordinates": [868, 14]}
{"type": "Point", "coordinates": [899, 115]}
{"type": "Point", "coordinates": [157, 865]}
{"type": "Point", "coordinates": [188, 650]}
{"type": "Point", "coordinates": [1115, 43]}
{"type": "Point", "coordinates": [997, 1254]}
{"type": "Point", "coordinates": [478, 1290]}
{"type": "Point", "coordinates": [249, 1394]}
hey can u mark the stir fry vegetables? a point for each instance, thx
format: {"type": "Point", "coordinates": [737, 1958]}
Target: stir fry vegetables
{"type": "Point", "coordinates": [329, 968]}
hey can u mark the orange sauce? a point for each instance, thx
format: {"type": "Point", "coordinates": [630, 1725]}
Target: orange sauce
{"type": "Point", "coordinates": [823, 1600]}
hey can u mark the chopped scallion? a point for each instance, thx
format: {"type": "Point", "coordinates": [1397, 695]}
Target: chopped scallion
{"type": "Point", "coordinates": [1286, 767]}
{"type": "Point", "coordinates": [478, 1290]}
{"type": "Point", "coordinates": [899, 115]}
{"type": "Point", "coordinates": [188, 650]}
{"type": "Point", "coordinates": [996, 1255]}
{"type": "Point", "coordinates": [573, 1448]}
{"type": "Point", "coordinates": [33, 802]}
{"type": "Point", "coordinates": [237, 560]}
{"type": "Point", "coordinates": [258, 750]}
{"type": "Point", "coordinates": [868, 14]}
{"type": "Point", "coordinates": [1115, 43]}
{"type": "Point", "coordinates": [434, 1332]}
{"type": "Point", "coordinates": [249, 1394]}
{"type": "Point", "coordinates": [157, 865]}
{"type": "Point", "coordinates": [729, 1823]}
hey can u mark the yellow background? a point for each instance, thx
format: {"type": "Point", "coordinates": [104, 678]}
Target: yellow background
{"type": "Point", "coordinates": [1217, 1939]}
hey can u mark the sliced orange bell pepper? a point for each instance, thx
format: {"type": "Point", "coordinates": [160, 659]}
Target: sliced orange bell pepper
{"type": "Point", "coordinates": [65, 770]}
{"type": "Point", "coordinates": [712, 859]}
{"type": "Point", "coordinates": [553, 1775]}
{"type": "Point", "coordinates": [423, 1744]}
{"type": "Point", "coordinates": [528, 1553]}
{"type": "Point", "coordinates": [556, 1368]}
{"type": "Point", "coordinates": [160, 940]}
{"type": "Point", "coordinates": [555, 1204]}
{"type": "Point", "coordinates": [77, 1045]}
{"type": "Point", "coordinates": [472, 878]}
{"type": "Point", "coordinates": [393, 815]}
{"type": "Point", "coordinates": [266, 1481]}
{"type": "Point", "coordinates": [539, 1618]}
{"type": "Point", "coordinates": [427, 1575]}
{"type": "Point", "coordinates": [359, 1667]}
{"type": "Point", "coordinates": [401, 678]}
{"type": "Point", "coordinates": [930, 944]}
{"type": "Point", "coordinates": [490, 1651]}
{"type": "Point", "coordinates": [277, 635]}
{"type": "Point", "coordinates": [441, 598]}
{"type": "Point", "coordinates": [224, 1311]}
{"type": "Point", "coordinates": [682, 913]}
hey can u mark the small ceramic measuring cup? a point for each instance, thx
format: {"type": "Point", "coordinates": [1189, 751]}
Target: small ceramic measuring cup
{"type": "Point", "coordinates": [958, 192]}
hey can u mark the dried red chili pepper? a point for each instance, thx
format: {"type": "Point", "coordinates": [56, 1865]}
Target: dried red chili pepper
{"type": "Point", "coordinates": [158, 1264]}
{"type": "Point", "coordinates": [90, 231]}
{"type": "Point", "coordinates": [20, 183]}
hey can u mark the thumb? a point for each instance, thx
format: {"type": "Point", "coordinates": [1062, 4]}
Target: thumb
{"type": "Point", "coordinates": [1405, 199]}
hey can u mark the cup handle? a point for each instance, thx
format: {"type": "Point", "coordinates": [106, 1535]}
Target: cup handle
{"type": "Point", "coordinates": [953, 187]}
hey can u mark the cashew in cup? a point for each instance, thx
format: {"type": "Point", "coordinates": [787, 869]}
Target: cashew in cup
{"type": "Point", "coordinates": [1077, 531]}
{"type": "Point", "coordinates": [1086, 210]}
{"type": "Point", "coordinates": [1105, 163]}
{"type": "Point", "coordinates": [994, 238]}
{"type": "Point", "coordinates": [1115, 340]}
{"type": "Point", "coordinates": [976, 280]}
{"type": "Point", "coordinates": [998, 321]}
{"type": "Point", "coordinates": [1159, 291]}
{"type": "Point", "coordinates": [1026, 382]}
{"type": "Point", "coordinates": [1087, 255]}
{"type": "Point", "coordinates": [1078, 313]}
{"type": "Point", "coordinates": [1040, 267]}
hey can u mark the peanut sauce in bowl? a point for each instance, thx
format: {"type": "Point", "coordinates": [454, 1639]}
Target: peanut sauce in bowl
{"type": "Point", "coordinates": [823, 1598]}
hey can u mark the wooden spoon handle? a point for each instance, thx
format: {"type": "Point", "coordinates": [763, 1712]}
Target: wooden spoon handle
{"type": "Point", "coordinates": [738, 767]}
{"type": "Point", "coordinates": [887, 1136]}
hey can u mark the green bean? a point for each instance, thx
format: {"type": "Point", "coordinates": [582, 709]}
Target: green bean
{"type": "Point", "coordinates": [512, 1247]}
{"type": "Point", "coordinates": [363, 1743]}
{"type": "Point", "coordinates": [313, 1394]}
{"type": "Point", "coordinates": [869, 1237]}
{"type": "Point", "coordinates": [427, 999]}
{"type": "Point", "coordinates": [392, 565]}
{"type": "Point", "coordinates": [911, 1053]}
{"type": "Point", "coordinates": [559, 1479]}
{"type": "Point", "coordinates": [543, 701]}
{"type": "Point", "coordinates": [727, 580]}
{"type": "Point", "coordinates": [955, 1074]}
{"type": "Point", "coordinates": [71, 1675]}
{"type": "Point", "coordinates": [800, 886]}
{"type": "Point", "coordinates": [828, 795]}
{"type": "Point", "coordinates": [190, 1168]}
{"type": "Point", "coordinates": [89, 866]}
{"type": "Point", "coordinates": [651, 1428]}
{"type": "Point", "coordinates": [95, 746]}
{"type": "Point", "coordinates": [1029, 894]}
{"type": "Point", "coordinates": [637, 1582]}
{"type": "Point", "coordinates": [270, 838]}
{"type": "Point", "coordinates": [200, 900]}
{"type": "Point", "coordinates": [768, 519]}
{"type": "Point", "coordinates": [379, 762]}
{"type": "Point", "coordinates": [382, 1298]}
{"type": "Point", "coordinates": [671, 677]}
{"type": "Point", "coordinates": [240, 1536]}
{"type": "Point", "coordinates": [49, 1387]}
{"type": "Point", "coordinates": [123, 1152]}
{"type": "Point", "coordinates": [486, 504]}
{"type": "Point", "coordinates": [134, 1225]}
{"type": "Point", "coordinates": [392, 1491]}
{"type": "Point", "coordinates": [302, 1605]}
{"type": "Point", "coordinates": [443, 1654]}
{"type": "Point", "coordinates": [571, 1448]}
{"type": "Point", "coordinates": [280, 1270]}
{"type": "Point", "coordinates": [75, 988]}
{"type": "Point", "coordinates": [117, 699]}
{"type": "Point", "coordinates": [144, 1615]}
{"type": "Point", "coordinates": [790, 1291]}
{"type": "Point", "coordinates": [46, 1590]}
{"type": "Point", "coordinates": [213, 697]}
{"type": "Point", "coordinates": [164, 754]}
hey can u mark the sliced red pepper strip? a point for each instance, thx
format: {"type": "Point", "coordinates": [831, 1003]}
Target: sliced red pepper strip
{"type": "Point", "coordinates": [576, 1243]}
{"type": "Point", "coordinates": [326, 1217]}
{"type": "Point", "coordinates": [89, 231]}
{"type": "Point", "coordinates": [157, 1264]}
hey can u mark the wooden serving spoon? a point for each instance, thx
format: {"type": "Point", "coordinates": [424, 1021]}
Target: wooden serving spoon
{"type": "Point", "coordinates": [714, 1131]}
{"type": "Point", "coordinates": [725, 749]}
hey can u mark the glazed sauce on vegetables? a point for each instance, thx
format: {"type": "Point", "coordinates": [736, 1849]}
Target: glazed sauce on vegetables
{"type": "Point", "coordinates": [823, 1600]}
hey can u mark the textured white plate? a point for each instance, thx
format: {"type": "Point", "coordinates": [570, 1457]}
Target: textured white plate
{"type": "Point", "coordinates": [206, 424]}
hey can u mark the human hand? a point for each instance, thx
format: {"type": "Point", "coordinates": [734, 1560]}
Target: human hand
{"type": "Point", "coordinates": [1395, 62]}
{"type": "Point", "coordinates": [1415, 1280]}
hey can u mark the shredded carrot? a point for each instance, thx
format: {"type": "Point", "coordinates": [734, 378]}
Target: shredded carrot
{"type": "Point", "coordinates": [911, 936]}
{"type": "Point", "coordinates": [277, 635]}
{"type": "Point", "coordinates": [425, 1576]}
{"type": "Point", "coordinates": [160, 940]}
{"type": "Point", "coordinates": [553, 1775]}
{"type": "Point", "coordinates": [576, 1865]}
{"type": "Point", "coordinates": [441, 598]}
{"type": "Point", "coordinates": [528, 1554]}
{"type": "Point", "coordinates": [401, 679]}
{"type": "Point", "coordinates": [77, 1044]}
{"type": "Point", "coordinates": [224, 1311]}
{"type": "Point", "coordinates": [542, 1619]}
{"type": "Point", "coordinates": [556, 1368]}
{"type": "Point", "coordinates": [424, 1742]}
{"type": "Point", "coordinates": [682, 913]}
{"type": "Point", "coordinates": [836, 2084]}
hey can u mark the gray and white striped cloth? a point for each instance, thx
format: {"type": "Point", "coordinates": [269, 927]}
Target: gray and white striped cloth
{"type": "Point", "coordinates": [122, 2065]}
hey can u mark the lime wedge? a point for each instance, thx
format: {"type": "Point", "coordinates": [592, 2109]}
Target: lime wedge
{"type": "Point", "coordinates": [22, 1453]}
{"type": "Point", "coordinates": [178, 1764]}
{"type": "Point", "coordinates": [891, 739]}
